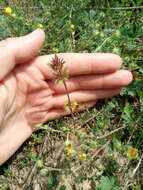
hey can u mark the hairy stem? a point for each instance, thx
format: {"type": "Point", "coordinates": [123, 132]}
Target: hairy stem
{"type": "Point", "coordinates": [69, 100]}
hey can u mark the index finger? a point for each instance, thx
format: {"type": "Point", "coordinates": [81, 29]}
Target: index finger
{"type": "Point", "coordinates": [19, 50]}
{"type": "Point", "coordinates": [82, 63]}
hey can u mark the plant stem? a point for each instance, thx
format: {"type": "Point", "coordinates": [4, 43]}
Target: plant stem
{"type": "Point", "coordinates": [69, 100]}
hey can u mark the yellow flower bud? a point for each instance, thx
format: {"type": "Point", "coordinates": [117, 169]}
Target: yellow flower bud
{"type": "Point", "coordinates": [70, 151]}
{"type": "Point", "coordinates": [132, 153]}
{"type": "Point", "coordinates": [82, 156]}
{"type": "Point", "coordinates": [8, 11]}
{"type": "Point", "coordinates": [40, 26]}
{"type": "Point", "coordinates": [72, 26]}
{"type": "Point", "coordinates": [74, 105]}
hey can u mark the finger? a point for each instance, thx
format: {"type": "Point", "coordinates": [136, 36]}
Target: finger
{"type": "Point", "coordinates": [84, 96]}
{"type": "Point", "coordinates": [57, 112]}
{"type": "Point", "coordinates": [30, 77]}
{"type": "Point", "coordinates": [19, 50]}
{"type": "Point", "coordinates": [82, 63]}
{"type": "Point", "coordinates": [92, 82]}
{"type": "Point", "coordinates": [35, 116]}
{"type": "Point", "coordinates": [38, 115]}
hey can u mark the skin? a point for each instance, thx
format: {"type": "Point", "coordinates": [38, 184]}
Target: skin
{"type": "Point", "coordinates": [28, 95]}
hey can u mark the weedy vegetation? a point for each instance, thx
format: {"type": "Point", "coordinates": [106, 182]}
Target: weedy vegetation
{"type": "Point", "coordinates": [100, 148]}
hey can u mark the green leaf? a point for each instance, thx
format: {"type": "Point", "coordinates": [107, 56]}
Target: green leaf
{"type": "Point", "coordinates": [106, 183]}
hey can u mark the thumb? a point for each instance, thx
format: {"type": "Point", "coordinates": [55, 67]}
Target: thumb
{"type": "Point", "coordinates": [19, 50]}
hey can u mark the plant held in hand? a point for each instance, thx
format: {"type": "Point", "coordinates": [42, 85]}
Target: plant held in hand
{"type": "Point", "coordinates": [61, 75]}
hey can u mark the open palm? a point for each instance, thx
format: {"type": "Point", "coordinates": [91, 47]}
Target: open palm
{"type": "Point", "coordinates": [29, 95]}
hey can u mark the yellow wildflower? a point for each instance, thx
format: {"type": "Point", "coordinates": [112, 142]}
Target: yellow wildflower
{"type": "Point", "coordinates": [82, 156]}
{"type": "Point", "coordinates": [69, 148]}
{"type": "Point", "coordinates": [70, 152]}
{"type": "Point", "coordinates": [132, 153]}
{"type": "Point", "coordinates": [8, 11]}
{"type": "Point", "coordinates": [74, 105]}
{"type": "Point", "coordinates": [31, 143]}
{"type": "Point", "coordinates": [66, 106]}
{"type": "Point", "coordinates": [72, 26]}
{"type": "Point", "coordinates": [40, 26]}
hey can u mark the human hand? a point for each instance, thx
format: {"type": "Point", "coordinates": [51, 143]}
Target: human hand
{"type": "Point", "coordinates": [29, 96]}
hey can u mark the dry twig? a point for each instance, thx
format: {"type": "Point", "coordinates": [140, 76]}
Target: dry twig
{"type": "Point", "coordinates": [110, 133]}
{"type": "Point", "coordinates": [122, 8]}
{"type": "Point", "coordinates": [33, 171]}
{"type": "Point", "coordinates": [137, 167]}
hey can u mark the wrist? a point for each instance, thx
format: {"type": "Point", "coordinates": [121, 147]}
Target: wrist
{"type": "Point", "coordinates": [12, 139]}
